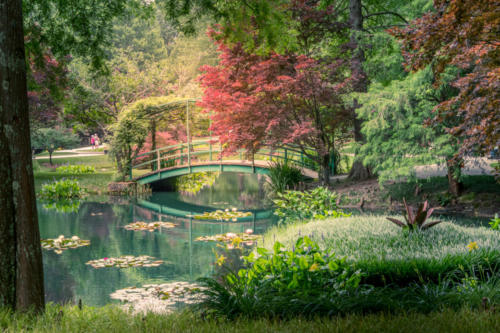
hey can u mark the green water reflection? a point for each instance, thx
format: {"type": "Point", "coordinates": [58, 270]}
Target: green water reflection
{"type": "Point", "coordinates": [101, 220]}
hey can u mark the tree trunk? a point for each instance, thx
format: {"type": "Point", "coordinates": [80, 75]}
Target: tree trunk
{"type": "Point", "coordinates": [23, 274]}
{"type": "Point", "coordinates": [50, 157]}
{"type": "Point", "coordinates": [455, 186]}
{"type": "Point", "coordinates": [324, 171]}
{"type": "Point", "coordinates": [358, 171]}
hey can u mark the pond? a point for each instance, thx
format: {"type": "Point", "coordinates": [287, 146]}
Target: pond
{"type": "Point", "coordinates": [102, 219]}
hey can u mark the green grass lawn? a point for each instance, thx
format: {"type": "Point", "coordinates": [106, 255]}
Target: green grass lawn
{"type": "Point", "coordinates": [112, 319]}
{"type": "Point", "coordinates": [94, 183]}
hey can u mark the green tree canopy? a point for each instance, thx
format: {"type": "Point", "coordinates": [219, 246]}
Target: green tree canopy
{"type": "Point", "coordinates": [397, 138]}
{"type": "Point", "coordinates": [51, 139]}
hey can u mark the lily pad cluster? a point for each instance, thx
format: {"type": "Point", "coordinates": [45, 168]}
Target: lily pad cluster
{"type": "Point", "coordinates": [125, 262]}
{"type": "Point", "coordinates": [60, 243]}
{"type": "Point", "coordinates": [223, 215]}
{"type": "Point", "coordinates": [159, 298]}
{"type": "Point", "coordinates": [229, 238]}
{"type": "Point", "coordinates": [152, 226]}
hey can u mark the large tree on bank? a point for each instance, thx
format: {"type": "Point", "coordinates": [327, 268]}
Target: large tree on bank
{"type": "Point", "coordinates": [21, 271]}
{"type": "Point", "coordinates": [64, 28]}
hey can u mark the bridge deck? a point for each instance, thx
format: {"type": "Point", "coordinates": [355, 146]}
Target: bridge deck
{"type": "Point", "coordinates": [213, 165]}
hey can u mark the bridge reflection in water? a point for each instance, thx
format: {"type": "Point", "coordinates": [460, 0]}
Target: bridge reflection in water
{"type": "Point", "coordinates": [183, 213]}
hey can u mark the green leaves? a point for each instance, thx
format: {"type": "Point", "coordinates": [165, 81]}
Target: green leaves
{"type": "Point", "coordinates": [61, 189]}
{"type": "Point", "coordinates": [495, 223]}
{"type": "Point", "coordinates": [318, 204]}
{"type": "Point", "coordinates": [77, 169]}
{"type": "Point", "coordinates": [283, 176]}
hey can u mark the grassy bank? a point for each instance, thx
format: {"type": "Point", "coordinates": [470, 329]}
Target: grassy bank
{"type": "Point", "coordinates": [387, 256]}
{"type": "Point", "coordinates": [376, 238]}
{"type": "Point", "coordinates": [361, 265]}
{"type": "Point", "coordinates": [94, 183]}
{"type": "Point", "coordinates": [113, 319]}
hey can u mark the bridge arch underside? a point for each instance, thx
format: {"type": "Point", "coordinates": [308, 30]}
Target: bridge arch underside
{"type": "Point", "coordinates": [167, 173]}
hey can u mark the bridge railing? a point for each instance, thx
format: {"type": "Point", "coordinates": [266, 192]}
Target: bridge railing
{"type": "Point", "coordinates": [206, 150]}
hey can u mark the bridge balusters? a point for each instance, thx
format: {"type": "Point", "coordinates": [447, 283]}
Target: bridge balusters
{"type": "Point", "coordinates": [158, 163]}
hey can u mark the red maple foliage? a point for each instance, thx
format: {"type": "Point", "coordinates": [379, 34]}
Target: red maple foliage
{"type": "Point", "coordinates": [276, 99]}
{"type": "Point", "coordinates": [462, 33]}
{"type": "Point", "coordinates": [47, 84]}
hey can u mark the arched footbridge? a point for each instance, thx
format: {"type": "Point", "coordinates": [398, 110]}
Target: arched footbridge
{"type": "Point", "coordinates": [201, 155]}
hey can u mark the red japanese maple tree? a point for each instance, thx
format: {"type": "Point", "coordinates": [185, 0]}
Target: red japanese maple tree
{"type": "Point", "coordinates": [462, 33]}
{"type": "Point", "coordinates": [276, 99]}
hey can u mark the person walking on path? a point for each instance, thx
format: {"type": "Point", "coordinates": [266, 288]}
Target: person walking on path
{"type": "Point", "coordinates": [92, 141]}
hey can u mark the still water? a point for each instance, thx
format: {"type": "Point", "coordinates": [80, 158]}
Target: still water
{"type": "Point", "coordinates": [101, 220]}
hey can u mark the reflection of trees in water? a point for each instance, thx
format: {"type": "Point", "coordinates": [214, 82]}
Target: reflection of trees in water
{"type": "Point", "coordinates": [96, 217]}
{"type": "Point", "coordinates": [244, 191]}
{"type": "Point", "coordinates": [191, 184]}
{"type": "Point", "coordinates": [61, 286]}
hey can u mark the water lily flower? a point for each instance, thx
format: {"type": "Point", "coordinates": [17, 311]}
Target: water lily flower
{"type": "Point", "coordinates": [75, 238]}
{"type": "Point", "coordinates": [106, 258]}
{"type": "Point", "coordinates": [249, 231]}
{"type": "Point", "coordinates": [231, 235]}
{"type": "Point", "coordinates": [234, 219]}
{"type": "Point", "coordinates": [226, 210]}
{"type": "Point", "coordinates": [60, 237]}
{"type": "Point", "coordinates": [234, 209]}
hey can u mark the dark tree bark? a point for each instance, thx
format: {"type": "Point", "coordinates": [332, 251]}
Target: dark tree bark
{"type": "Point", "coordinates": [455, 186]}
{"type": "Point", "coordinates": [358, 171]}
{"type": "Point", "coordinates": [324, 172]}
{"type": "Point", "coordinates": [23, 274]}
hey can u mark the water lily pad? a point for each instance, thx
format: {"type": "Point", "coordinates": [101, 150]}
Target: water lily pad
{"type": "Point", "coordinates": [125, 262]}
{"type": "Point", "coordinates": [151, 226]}
{"type": "Point", "coordinates": [159, 298]}
{"type": "Point", "coordinates": [229, 237]}
{"type": "Point", "coordinates": [223, 215]}
{"type": "Point", "coordinates": [59, 244]}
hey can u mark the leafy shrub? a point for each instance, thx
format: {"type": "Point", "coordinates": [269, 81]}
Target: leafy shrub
{"type": "Point", "coordinates": [283, 176]}
{"type": "Point", "coordinates": [318, 203]}
{"type": "Point", "coordinates": [61, 189]}
{"type": "Point", "coordinates": [495, 223]}
{"type": "Point", "coordinates": [77, 169]}
{"type": "Point", "coordinates": [277, 282]}
{"type": "Point", "coordinates": [415, 219]}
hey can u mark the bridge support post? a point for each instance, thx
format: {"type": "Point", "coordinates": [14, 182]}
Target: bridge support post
{"type": "Point", "coordinates": [158, 164]}
{"type": "Point", "coordinates": [220, 156]}
{"type": "Point", "coordinates": [210, 149]}
{"type": "Point", "coordinates": [286, 156]}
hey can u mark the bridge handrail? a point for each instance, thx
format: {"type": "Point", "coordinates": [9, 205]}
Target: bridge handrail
{"type": "Point", "coordinates": [156, 158]}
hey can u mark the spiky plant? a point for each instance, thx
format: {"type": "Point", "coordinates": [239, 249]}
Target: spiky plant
{"type": "Point", "coordinates": [415, 219]}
